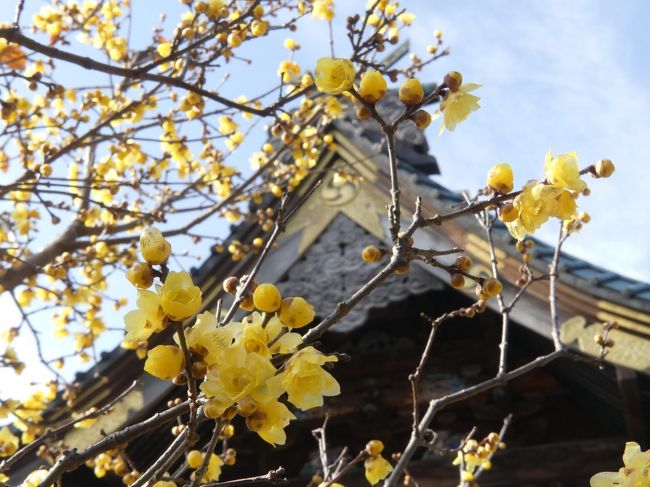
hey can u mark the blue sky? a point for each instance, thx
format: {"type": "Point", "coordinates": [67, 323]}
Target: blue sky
{"type": "Point", "coordinates": [556, 75]}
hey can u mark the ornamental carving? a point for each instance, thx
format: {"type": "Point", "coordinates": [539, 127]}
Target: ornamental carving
{"type": "Point", "coordinates": [331, 270]}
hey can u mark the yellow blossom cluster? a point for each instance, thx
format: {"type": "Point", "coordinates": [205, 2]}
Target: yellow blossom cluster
{"type": "Point", "coordinates": [177, 299]}
{"type": "Point", "coordinates": [334, 76]}
{"type": "Point", "coordinates": [475, 455]}
{"type": "Point", "coordinates": [540, 200]}
{"type": "Point", "coordinates": [235, 360]}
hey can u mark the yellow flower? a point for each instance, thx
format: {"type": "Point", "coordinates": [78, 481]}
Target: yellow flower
{"type": "Point", "coordinates": [207, 339]}
{"type": "Point", "coordinates": [271, 416]}
{"type": "Point", "coordinates": [153, 246]}
{"type": "Point", "coordinates": [500, 178]}
{"type": "Point", "coordinates": [372, 86]}
{"type": "Point", "coordinates": [457, 106]}
{"type": "Point", "coordinates": [289, 70]}
{"type": "Point", "coordinates": [164, 49]}
{"type": "Point", "coordinates": [636, 472]}
{"type": "Point", "coordinates": [8, 442]}
{"type": "Point", "coordinates": [536, 203]}
{"type": "Point", "coordinates": [213, 472]}
{"type": "Point", "coordinates": [255, 338]}
{"type": "Point", "coordinates": [237, 374]}
{"type": "Point", "coordinates": [165, 483]}
{"type": "Point", "coordinates": [377, 469]}
{"type": "Point", "coordinates": [305, 380]}
{"type": "Point", "coordinates": [323, 10]}
{"type": "Point", "coordinates": [179, 297]}
{"type": "Point", "coordinates": [562, 170]}
{"type": "Point", "coordinates": [333, 76]}
{"type": "Point", "coordinates": [148, 319]}
{"type": "Point", "coordinates": [296, 312]}
{"type": "Point", "coordinates": [164, 362]}
{"type": "Point", "coordinates": [35, 478]}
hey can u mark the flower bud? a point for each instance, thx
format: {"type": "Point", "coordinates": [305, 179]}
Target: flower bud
{"type": "Point", "coordinates": [246, 407]}
{"type": "Point", "coordinates": [411, 92]}
{"type": "Point", "coordinates": [508, 212]}
{"type": "Point", "coordinates": [422, 119]}
{"type": "Point", "coordinates": [464, 262]}
{"type": "Point", "coordinates": [500, 178]}
{"type": "Point", "coordinates": [453, 80]}
{"type": "Point", "coordinates": [605, 168]}
{"type": "Point", "coordinates": [363, 113]}
{"type": "Point", "coordinates": [140, 275]}
{"type": "Point", "coordinates": [374, 448]}
{"type": "Point", "coordinates": [457, 281]}
{"type": "Point", "coordinates": [371, 254]}
{"type": "Point", "coordinates": [372, 86]}
{"type": "Point", "coordinates": [164, 361]}
{"type": "Point", "coordinates": [267, 298]}
{"type": "Point", "coordinates": [491, 287]}
{"type": "Point", "coordinates": [153, 246]}
{"type": "Point", "coordinates": [230, 285]}
{"type": "Point", "coordinates": [194, 459]}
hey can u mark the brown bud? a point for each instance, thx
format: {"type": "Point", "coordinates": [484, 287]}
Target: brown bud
{"type": "Point", "coordinates": [464, 262]}
{"type": "Point", "coordinates": [199, 369]}
{"type": "Point", "coordinates": [363, 113]}
{"type": "Point", "coordinates": [457, 281]}
{"type": "Point", "coordinates": [401, 270]}
{"type": "Point", "coordinates": [421, 118]}
{"type": "Point", "coordinates": [230, 285]}
{"type": "Point", "coordinates": [453, 80]}
{"type": "Point", "coordinates": [180, 379]}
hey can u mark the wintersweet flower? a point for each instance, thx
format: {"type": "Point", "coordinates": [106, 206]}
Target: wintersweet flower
{"type": "Point", "coordinates": [536, 203]}
{"type": "Point", "coordinates": [305, 380]}
{"type": "Point", "coordinates": [164, 361]}
{"type": "Point", "coordinates": [148, 319]}
{"type": "Point", "coordinates": [563, 171]}
{"type": "Point", "coordinates": [213, 472]}
{"type": "Point", "coordinates": [457, 106]}
{"type": "Point", "coordinates": [207, 339]}
{"type": "Point", "coordinates": [296, 312]}
{"type": "Point", "coordinates": [267, 340]}
{"type": "Point", "coordinates": [35, 478]}
{"type": "Point", "coordinates": [333, 75]}
{"type": "Point", "coordinates": [8, 442]}
{"type": "Point", "coordinates": [500, 178]}
{"type": "Point", "coordinates": [323, 10]}
{"type": "Point", "coordinates": [271, 416]}
{"type": "Point", "coordinates": [377, 469]}
{"type": "Point", "coordinates": [164, 483]}
{"type": "Point", "coordinates": [635, 473]}
{"type": "Point", "coordinates": [237, 374]}
{"type": "Point", "coordinates": [179, 297]}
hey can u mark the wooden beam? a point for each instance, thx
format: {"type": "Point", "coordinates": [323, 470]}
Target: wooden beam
{"type": "Point", "coordinates": [632, 407]}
